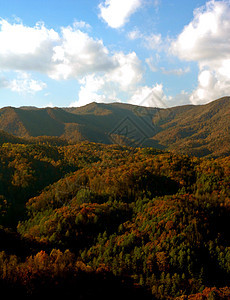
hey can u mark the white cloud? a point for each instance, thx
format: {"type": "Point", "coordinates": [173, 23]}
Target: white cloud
{"type": "Point", "coordinates": [106, 87]}
{"type": "Point", "coordinates": [72, 54]}
{"type": "Point", "coordinates": [207, 37]}
{"type": "Point", "coordinates": [81, 25]}
{"type": "Point", "coordinates": [117, 12]}
{"type": "Point", "coordinates": [128, 71]}
{"type": "Point", "coordinates": [26, 48]}
{"type": "Point", "coordinates": [149, 96]}
{"type": "Point", "coordinates": [90, 91]}
{"type": "Point", "coordinates": [207, 40]}
{"type": "Point", "coordinates": [211, 85]}
{"type": "Point", "coordinates": [25, 84]}
{"type": "Point", "coordinates": [78, 55]}
{"type": "Point", "coordinates": [155, 97]}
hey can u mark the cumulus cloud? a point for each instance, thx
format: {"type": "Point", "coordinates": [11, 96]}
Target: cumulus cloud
{"type": "Point", "coordinates": [128, 71]}
{"type": "Point", "coordinates": [106, 87]}
{"type": "Point", "coordinates": [79, 54]}
{"type": "Point", "coordinates": [101, 90]}
{"type": "Point", "coordinates": [26, 48]}
{"type": "Point", "coordinates": [149, 96]}
{"type": "Point", "coordinates": [211, 85]}
{"type": "Point", "coordinates": [117, 12]}
{"type": "Point", "coordinates": [206, 40]}
{"type": "Point", "coordinates": [90, 90]}
{"type": "Point", "coordinates": [207, 37]}
{"type": "Point", "coordinates": [25, 84]}
{"type": "Point", "coordinates": [154, 96]}
{"type": "Point", "coordinates": [70, 54]}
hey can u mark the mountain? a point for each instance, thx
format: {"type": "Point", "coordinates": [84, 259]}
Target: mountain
{"type": "Point", "coordinates": [95, 219]}
{"type": "Point", "coordinates": [105, 123]}
{"type": "Point", "coordinates": [201, 130]}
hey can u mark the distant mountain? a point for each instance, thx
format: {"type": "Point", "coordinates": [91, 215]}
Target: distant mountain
{"type": "Point", "coordinates": [202, 130]}
{"type": "Point", "coordinates": [199, 130]}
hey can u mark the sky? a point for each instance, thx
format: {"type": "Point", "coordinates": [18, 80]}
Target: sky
{"type": "Point", "coordinates": [157, 53]}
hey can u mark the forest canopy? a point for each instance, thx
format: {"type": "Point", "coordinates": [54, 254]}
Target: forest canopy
{"type": "Point", "coordinates": [92, 219]}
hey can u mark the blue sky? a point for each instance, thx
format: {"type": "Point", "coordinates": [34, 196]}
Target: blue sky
{"type": "Point", "coordinates": [146, 52]}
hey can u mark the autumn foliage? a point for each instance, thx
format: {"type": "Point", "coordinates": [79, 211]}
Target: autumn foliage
{"type": "Point", "coordinates": [92, 219]}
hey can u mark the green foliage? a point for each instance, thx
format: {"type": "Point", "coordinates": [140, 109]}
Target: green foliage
{"type": "Point", "coordinates": [159, 221]}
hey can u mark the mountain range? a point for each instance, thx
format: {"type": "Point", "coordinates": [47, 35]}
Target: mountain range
{"type": "Point", "coordinates": [201, 130]}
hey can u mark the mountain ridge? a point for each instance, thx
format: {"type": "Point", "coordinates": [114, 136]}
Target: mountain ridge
{"type": "Point", "coordinates": [201, 130]}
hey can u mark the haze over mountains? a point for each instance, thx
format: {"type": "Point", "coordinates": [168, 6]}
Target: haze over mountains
{"type": "Point", "coordinates": [201, 130]}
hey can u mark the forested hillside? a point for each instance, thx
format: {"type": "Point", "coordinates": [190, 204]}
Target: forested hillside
{"type": "Point", "coordinates": [115, 222]}
{"type": "Point", "coordinates": [201, 130]}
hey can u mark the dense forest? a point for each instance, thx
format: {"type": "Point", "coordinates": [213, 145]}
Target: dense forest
{"type": "Point", "coordinates": [109, 221]}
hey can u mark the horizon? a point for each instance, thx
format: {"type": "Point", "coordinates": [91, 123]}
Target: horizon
{"type": "Point", "coordinates": [153, 54]}
{"type": "Point", "coordinates": [105, 103]}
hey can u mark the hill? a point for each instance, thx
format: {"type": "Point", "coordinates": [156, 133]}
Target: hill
{"type": "Point", "coordinates": [92, 219]}
{"type": "Point", "coordinates": [9, 138]}
{"type": "Point", "coordinates": [201, 130]}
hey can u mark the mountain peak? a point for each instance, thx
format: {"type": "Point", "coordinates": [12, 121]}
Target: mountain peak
{"type": "Point", "coordinates": [193, 129]}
